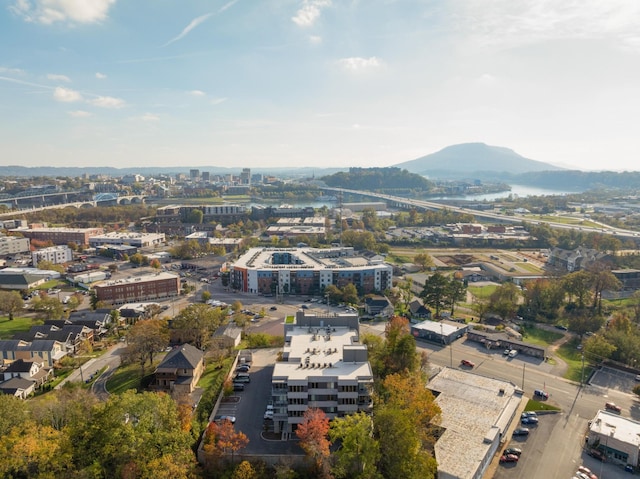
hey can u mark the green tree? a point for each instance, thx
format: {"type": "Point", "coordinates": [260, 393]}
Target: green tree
{"type": "Point", "coordinates": [434, 292]}
{"type": "Point", "coordinates": [10, 303]}
{"type": "Point", "coordinates": [206, 296]}
{"type": "Point", "coordinates": [198, 322]}
{"type": "Point", "coordinates": [359, 451]}
{"type": "Point", "coordinates": [578, 284]}
{"type": "Point", "coordinates": [133, 435]}
{"type": "Point", "coordinates": [195, 216]}
{"type": "Point", "coordinates": [504, 300]}
{"type": "Point", "coordinates": [48, 265]}
{"type": "Point", "coordinates": [350, 294]}
{"type": "Point", "coordinates": [144, 340]}
{"type": "Point", "coordinates": [48, 308]}
{"type": "Point", "coordinates": [603, 280]}
{"type": "Point", "coordinates": [423, 260]}
{"type": "Point", "coordinates": [456, 291]}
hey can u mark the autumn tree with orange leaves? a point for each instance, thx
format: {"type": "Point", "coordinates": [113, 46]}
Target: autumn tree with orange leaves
{"type": "Point", "coordinates": [313, 433]}
{"type": "Point", "coordinates": [222, 438]}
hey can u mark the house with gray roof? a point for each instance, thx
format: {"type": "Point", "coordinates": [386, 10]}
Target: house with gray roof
{"type": "Point", "coordinates": [31, 370]}
{"type": "Point", "coordinates": [18, 387]}
{"type": "Point", "coordinates": [179, 371]}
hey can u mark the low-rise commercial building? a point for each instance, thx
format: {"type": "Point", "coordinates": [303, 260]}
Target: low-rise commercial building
{"type": "Point", "coordinates": [142, 288]}
{"type": "Point", "coordinates": [477, 411]}
{"type": "Point", "coordinates": [616, 438]}
{"type": "Point", "coordinates": [139, 240]}
{"type": "Point", "coordinates": [60, 236]}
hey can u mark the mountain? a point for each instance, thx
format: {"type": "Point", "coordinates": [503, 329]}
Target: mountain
{"type": "Point", "coordinates": [474, 160]}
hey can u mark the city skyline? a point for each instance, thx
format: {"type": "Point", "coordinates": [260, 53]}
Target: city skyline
{"type": "Point", "coordinates": [317, 83]}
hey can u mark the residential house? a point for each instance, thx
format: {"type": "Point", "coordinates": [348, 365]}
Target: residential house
{"type": "Point", "coordinates": [418, 311]}
{"type": "Point", "coordinates": [31, 370]}
{"type": "Point", "coordinates": [179, 371]}
{"type": "Point", "coordinates": [227, 336]}
{"type": "Point", "coordinates": [378, 306]}
{"type": "Point", "coordinates": [18, 387]}
{"type": "Point", "coordinates": [46, 351]}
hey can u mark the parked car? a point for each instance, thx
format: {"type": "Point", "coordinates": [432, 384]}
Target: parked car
{"type": "Point", "coordinates": [612, 407]}
{"type": "Point", "coordinates": [521, 431]}
{"type": "Point", "coordinates": [466, 362]}
{"type": "Point", "coordinates": [529, 420]}
{"type": "Point", "coordinates": [513, 450]}
{"type": "Point", "coordinates": [242, 379]}
{"type": "Point", "coordinates": [586, 472]}
{"type": "Point", "coordinates": [268, 414]}
{"type": "Point", "coordinates": [541, 394]}
{"type": "Point", "coordinates": [243, 368]}
{"type": "Point", "coordinates": [273, 308]}
{"type": "Point", "coordinates": [513, 353]}
{"type": "Point", "coordinates": [509, 458]}
{"type": "Point", "coordinates": [238, 387]}
{"type": "Point", "coordinates": [506, 352]}
{"type": "Point", "coordinates": [561, 327]}
{"type": "Point", "coordinates": [529, 414]}
{"type": "Point", "coordinates": [231, 419]}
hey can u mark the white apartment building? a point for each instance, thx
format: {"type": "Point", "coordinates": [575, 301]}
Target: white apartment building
{"type": "Point", "coordinates": [14, 245]}
{"type": "Point", "coordinates": [54, 254]}
{"type": "Point", "coordinates": [308, 271]}
{"type": "Point", "coordinates": [323, 366]}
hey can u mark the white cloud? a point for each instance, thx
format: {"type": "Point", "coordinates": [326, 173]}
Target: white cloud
{"type": "Point", "coordinates": [197, 93]}
{"type": "Point", "coordinates": [217, 101]}
{"type": "Point", "coordinates": [12, 71]}
{"type": "Point", "coordinates": [315, 39]}
{"type": "Point", "coordinates": [79, 113]}
{"type": "Point", "coordinates": [100, 76]}
{"type": "Point", "coordinates": [66, 95]}
{"type": "Point", "coordinates": [508, 23]}
{"type": "Point", "coordinates": [309, 12]}
{"type": "Point", "coordinates": [192, 24]}
{"type": "Point", "coordinates": [54, 77]}
{"type": "Point", "coordinates": [359, 63]}
{"type": "Point", "coordinates": [150, 117]}
{"type": "Point", "coordinates": [52, 11]}
{"type": "Point", "coordinates": [108, 102]}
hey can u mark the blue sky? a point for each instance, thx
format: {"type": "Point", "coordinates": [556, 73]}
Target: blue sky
{"type": "Point", "coordinates": [258, 83]}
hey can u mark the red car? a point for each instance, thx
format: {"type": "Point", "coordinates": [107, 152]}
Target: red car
{"type": "Point", "coordinates": [509, 458]}
{"type": "Point", "coordinates": [612, 407]}
{"type": "Point", "coordinates": [466, 362]}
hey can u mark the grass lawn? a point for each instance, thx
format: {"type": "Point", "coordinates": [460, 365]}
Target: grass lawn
{"type": "Point", "coordinates": [528, 267]}
{"type": "Point", "coordinates": [214, 374]}
{"type": "Point", "coordinates": [573, 358]}
{"type": "Point", "coordinates": [539, 337]}
{"type": "Point", "coordinates": [533, 405]}
{"type": "Point", "coordinates": [9, 328]}
{"type": "Point", "coordinates": [129, 377]}
{"type": "Point", "coordinates": [482, 292]}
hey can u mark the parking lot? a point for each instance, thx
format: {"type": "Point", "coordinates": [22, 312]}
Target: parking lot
{"type": "Point", "coordinates": [249, 406]}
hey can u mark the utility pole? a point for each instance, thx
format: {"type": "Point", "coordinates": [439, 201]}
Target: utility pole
{"type": "Point", "coordinates": [582, 374]}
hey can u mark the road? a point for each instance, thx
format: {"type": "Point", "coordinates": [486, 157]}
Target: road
{"type": "Point", "coordinates": [109, 360]}
{"type": "Point", "coordinates": [554, 449]}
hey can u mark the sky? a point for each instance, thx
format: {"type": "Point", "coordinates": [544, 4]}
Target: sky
{"type": "Point", "coordinates": [318, 83]}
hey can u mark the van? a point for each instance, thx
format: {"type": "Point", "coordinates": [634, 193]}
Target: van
{"type": "Point", "coordinates": [513, 353]}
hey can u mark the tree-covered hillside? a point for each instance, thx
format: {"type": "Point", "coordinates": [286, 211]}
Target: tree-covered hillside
{"type": "Point", "coordinates": [376, 179]}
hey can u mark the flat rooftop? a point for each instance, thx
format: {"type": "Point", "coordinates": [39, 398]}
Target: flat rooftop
{"type": "Point", "coordinates": [618, 427]}
{"type": "Point", "coordinates": [473, 408]}
{"type": "Point", "coordinates": [138, 279]}
{"type": "Point", "coordinates": [324, 353]}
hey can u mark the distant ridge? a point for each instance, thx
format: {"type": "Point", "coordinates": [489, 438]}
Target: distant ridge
{"type": "Point", "coordinates": [469, 160]}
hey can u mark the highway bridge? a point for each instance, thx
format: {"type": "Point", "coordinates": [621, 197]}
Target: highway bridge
{"type": "Point", "coordinates": [99, 200]}
{"type": "Point", "coordinates": [490, 216]}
